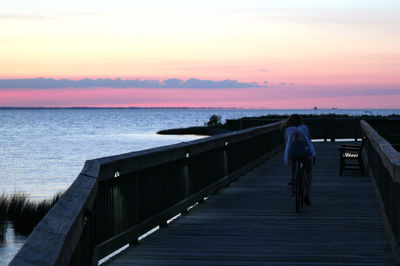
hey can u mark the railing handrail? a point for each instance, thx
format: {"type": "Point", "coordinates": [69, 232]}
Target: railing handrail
{"type": "Point", "coordinates": [389, 156]}
{"type": "Point", "coordinates": [156, 156]}
{"type": "Point", "coordinates": [332, 127]}
{"type": "Point", "coordinates": [54, 239]}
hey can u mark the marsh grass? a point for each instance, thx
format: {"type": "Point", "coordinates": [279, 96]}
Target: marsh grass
{"type": "Point", "coordinates": [2, 232]}
{"type": "Point", "coordinates": [23, 212]}
{"type": "Point", "coordinates": [16, 204]}
{"type": "Point", "coordinates": [3, 205]}
{"type": "Point", "coordinates": [3, 211]}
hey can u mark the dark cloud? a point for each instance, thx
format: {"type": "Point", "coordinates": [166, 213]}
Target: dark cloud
{"type": "Point", "coordinates": [49, 83]}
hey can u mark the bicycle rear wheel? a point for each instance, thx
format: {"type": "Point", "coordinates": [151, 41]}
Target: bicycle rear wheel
{"type": "Point", "coordinates": [299, 189]}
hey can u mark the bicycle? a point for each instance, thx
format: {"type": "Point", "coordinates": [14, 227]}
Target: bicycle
{"type": "Point", "coordinates": [298, 188]}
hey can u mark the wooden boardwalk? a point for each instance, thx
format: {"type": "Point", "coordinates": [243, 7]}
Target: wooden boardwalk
{"type": "Point", "coordinates": [253, 222]}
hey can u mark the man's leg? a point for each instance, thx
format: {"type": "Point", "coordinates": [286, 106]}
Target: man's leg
{"type": "Point", "coordinates": [293, 171]}
{"type": "Point", "coordinates": [308, 178]}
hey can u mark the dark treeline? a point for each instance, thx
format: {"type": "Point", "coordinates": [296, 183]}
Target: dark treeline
{"type": "Point", "coordinates": [214, 126]}
{"type": "Point", "coordinates": [305, 116]}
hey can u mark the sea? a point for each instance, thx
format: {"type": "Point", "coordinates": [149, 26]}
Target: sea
{"type": "Point", "coordinates": [43, 150]}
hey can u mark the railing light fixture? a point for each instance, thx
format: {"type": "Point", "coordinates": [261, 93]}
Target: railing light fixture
{"type": "Point", "coordinates": [117, 174]}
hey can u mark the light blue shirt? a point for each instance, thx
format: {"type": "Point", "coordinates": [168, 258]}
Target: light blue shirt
{"type": "Point", "coordinates": [303, 129]}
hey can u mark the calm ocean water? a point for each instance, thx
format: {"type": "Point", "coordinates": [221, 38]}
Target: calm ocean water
{"type": "Point", "coordinates": [43, 150]}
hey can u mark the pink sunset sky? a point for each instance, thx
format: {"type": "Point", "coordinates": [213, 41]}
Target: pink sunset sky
{"type": "Point", "coordinates": [245, 54]}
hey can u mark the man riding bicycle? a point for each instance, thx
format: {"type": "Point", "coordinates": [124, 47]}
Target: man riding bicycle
{"type": "Point", "coordinates": [299, 148]}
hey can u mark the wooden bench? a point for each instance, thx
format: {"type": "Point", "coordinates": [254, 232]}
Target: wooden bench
{"type": "Point", "coordinates": [350, 157]}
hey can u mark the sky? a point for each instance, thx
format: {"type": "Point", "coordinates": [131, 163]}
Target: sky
{"type": "Point", "coordinates": [184, 53]}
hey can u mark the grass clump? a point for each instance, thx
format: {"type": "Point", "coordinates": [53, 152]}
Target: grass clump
{"type": "Point", "coordinates": [16, 204]}
{"type": "Point", "coordinates": [24, 213]}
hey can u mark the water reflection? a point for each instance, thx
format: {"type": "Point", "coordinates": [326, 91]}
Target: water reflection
{"type": "Point", "coordinates": [117, 200]}
{"type": "Point", "coordinates": [10, 242]}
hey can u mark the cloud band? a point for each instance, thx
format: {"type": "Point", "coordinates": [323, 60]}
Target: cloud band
{"type": "Point", "coordinates": [49, 83]}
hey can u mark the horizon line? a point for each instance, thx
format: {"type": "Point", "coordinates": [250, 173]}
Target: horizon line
{"type": "Point", "coordinates": [183, 107]}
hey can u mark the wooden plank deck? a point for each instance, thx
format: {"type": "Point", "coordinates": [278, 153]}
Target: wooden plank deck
{"type": "Point", "coordinates": [253, 222]}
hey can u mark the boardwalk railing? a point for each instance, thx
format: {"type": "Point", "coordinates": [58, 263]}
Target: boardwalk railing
{"type": "Point", "coordinates": [382, 162]}
{"type": "Point", "coordinates": [334, 128]}
{"type": "Point", "coordinates": [116, 199]}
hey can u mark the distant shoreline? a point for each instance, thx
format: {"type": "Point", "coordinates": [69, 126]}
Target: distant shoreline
{"type": "Point", "coordinates": [184, 108]}
{"type": "Point", "coordinates": [146, 108]}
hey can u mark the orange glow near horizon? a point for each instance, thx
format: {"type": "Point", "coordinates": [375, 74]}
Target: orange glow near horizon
{"type": "Point", "coordinates": [256, 98]}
